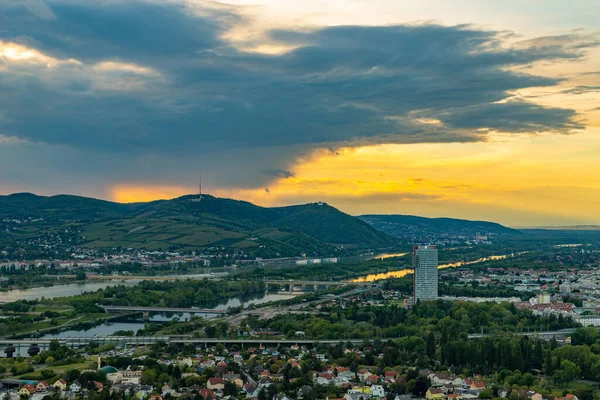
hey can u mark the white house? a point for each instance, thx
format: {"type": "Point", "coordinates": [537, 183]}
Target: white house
{"type": "Point", "coordinates": [377, 391]}
{"type": "Point", "coordinates": [75, 387]}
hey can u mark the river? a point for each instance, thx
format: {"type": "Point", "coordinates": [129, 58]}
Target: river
{"type": "Point", "coordinates": [403, 272]}
{"type": "Point", "coordinates": [70, 289]}
{"type": "Point", "coordinates": [136, 323]}
{"type": "Point", "coordinates": [74, 289]}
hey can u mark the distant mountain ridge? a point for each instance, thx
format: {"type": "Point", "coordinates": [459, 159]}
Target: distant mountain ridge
{"type": "Point", "coordinates": [188, 222]}
{"type": "Point", "coordinates": [411, 227]}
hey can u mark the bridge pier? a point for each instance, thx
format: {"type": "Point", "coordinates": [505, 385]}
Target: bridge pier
{"type": "Point", "coordinates": [10, 351]}
{"type": "Point", "coordinates": [146, 315]}
{"type": "Point", "coordinates": [316, 287]}
{"type": "Point", "coordinates": [192, 315]}
{"type": "Point", "coordinates": [33, 350]}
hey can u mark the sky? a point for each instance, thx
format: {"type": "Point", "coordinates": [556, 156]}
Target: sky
{"type": "Point", "coordinates": [468, 109]}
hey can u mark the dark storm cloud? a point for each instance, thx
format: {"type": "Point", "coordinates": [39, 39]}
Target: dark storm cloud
{"type": "Point", "coordinates": [340, 86]}
{"type": "Point", "coordinates": [92, 30]}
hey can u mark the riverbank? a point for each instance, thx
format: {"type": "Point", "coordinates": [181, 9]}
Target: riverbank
{"type": "Point", "coordinates": [406, 271]}
{"type": "Point", "coordinates": [45, 327]}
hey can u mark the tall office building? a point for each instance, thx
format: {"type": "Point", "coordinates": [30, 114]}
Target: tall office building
{"type": "Point", "coordinates": [425, 264]}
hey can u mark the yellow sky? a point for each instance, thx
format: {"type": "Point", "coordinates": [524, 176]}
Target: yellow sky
{"type": "Point", "coordinates": [519, 181]}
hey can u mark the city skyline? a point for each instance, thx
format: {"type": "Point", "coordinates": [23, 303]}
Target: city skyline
{"type": "Point", "coordinates": [471, 110]}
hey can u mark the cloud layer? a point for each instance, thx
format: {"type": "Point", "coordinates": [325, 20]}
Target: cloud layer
{"type": "Point", "coordinates": [142, 91]}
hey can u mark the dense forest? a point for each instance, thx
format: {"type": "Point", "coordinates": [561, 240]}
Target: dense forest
{"type": "Point", "coordinates": [449, 320]}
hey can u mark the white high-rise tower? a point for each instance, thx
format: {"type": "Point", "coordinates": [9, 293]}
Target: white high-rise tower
{"type": "Point", "coordinates": [425, 263]}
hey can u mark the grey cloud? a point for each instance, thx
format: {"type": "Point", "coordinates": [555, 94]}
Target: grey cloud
{"type": "Point", "coordinates": [582, 89]}
{"type": "Point", "coordinates": [342, 86]}
{"type": "Point", "coordinates": [279, 173]}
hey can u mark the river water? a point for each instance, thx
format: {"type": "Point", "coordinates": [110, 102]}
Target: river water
{"type": "Point", "coordinates": [136, 323]}
{"type": "Point", "coordinates": [74, 289]}
{"type": "Point", "coordinates": [403, 272]}
{"type": "Point", "coordinates": [49, 292]}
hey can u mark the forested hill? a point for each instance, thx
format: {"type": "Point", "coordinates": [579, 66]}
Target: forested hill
{"type": "Point", "coordinates": [408, 226]}
{"type": "Point", "coordinates": [190, 222]}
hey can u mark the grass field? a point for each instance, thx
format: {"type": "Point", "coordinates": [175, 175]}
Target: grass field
{"type": "Point", "coordinates": [61, 322]}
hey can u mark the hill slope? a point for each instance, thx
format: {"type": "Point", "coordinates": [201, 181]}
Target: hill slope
{"type": "Point", "coordinates": [414, 228]}
{"type": "Point", "coordinates": [186, 223]}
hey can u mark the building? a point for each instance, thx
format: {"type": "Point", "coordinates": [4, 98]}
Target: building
{"type": "Point", "coordinates": [60, 384]}
{"type": "Point", "coordinates": [425, 264]}
{"type": "Point", "coordinates": [434, 393]}
{"type": "Point", "coordinates": [588, 320]}
{"type": "Point", "coordinates": [75, 387]}
{"type": "Point", "coordinates": [216, 383]}
{"type": "Point", "coordinates": [27, 390]}
{"type": "Point", "coordinates": [130, 377]}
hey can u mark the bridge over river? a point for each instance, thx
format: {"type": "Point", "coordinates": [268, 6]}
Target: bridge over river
{"type": "Point", "coordinates": [36, 345]}
{"type": "Point", "coordinates": [147, 310]}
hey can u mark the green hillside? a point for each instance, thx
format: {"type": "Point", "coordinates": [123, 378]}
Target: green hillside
{"type": "Point", "coordinates": [410, 226]}
{"type": "Point", "coordinates": [185, 223]}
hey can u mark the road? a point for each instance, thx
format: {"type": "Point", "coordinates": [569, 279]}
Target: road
{"type": "Point", "coordinates": [269, 312]}
{"type": "Point", "coordinates": [144, 340]}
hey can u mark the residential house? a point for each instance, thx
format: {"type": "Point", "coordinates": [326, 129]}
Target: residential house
{"type": "Point", "coordinates": [235, 378]}
{"type": "Point", "coordinates": [390, 376]}
{"type": "Point", "coordinates": [357, 396]}
{"type": "Point", "coordinates": [434, 393]}
{"type": "Point", "coordinates": [324, 378]}
{"type": "Point", "coordinates": [363, 374]}
{"type": "Point", "coordinates": [251, 391]}
{"type": "Point", "coordinates": [41, 386]}
{"type": "Point", "coordinates": [266, 381]}
{"type": "Point", "coordinates": [304, 391]}
{"type": "Point", "coordinates": [215, 383]}
{"type": "Point", "coordinates": [221, 367]}
{"type": "Point", "coordinates": [567, 397]}
{"type": "Point", "coordinates": [60, 384]}
{"type": "Point", "coordinates": [377, 391]}
{"type": "Point", "coordinates": [166, 389]}
{"type": "Point", "coordinates": [447, 388]}
{"type": "Point", "coordinates": [144, 391]}
{"type": "Point", "coordinates": [27, 390]}
{"type": "Point", "coordinates": [75, 387]}
{"type": "Point", "coordinates": [537, 396]}
{"type": "Point", "coordinates": [207, 394]}
{"type": "Point", "coordinates": [372, 379]}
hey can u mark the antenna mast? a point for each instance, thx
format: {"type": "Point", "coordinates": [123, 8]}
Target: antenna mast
{"type": "Point", "coordinates": [200, 187]}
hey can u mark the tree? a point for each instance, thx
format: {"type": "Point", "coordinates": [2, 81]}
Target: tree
{"type": "Point", "coordinates": [568, 372]}
{"type": "Point", "coordinates": [430, 345]}
{"type": "Point", "coordinates": [80, 276]}
{"type": "Point", "coordinates": [230, 389]}
{"type": "Point", "coordinates": [149, 377]}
